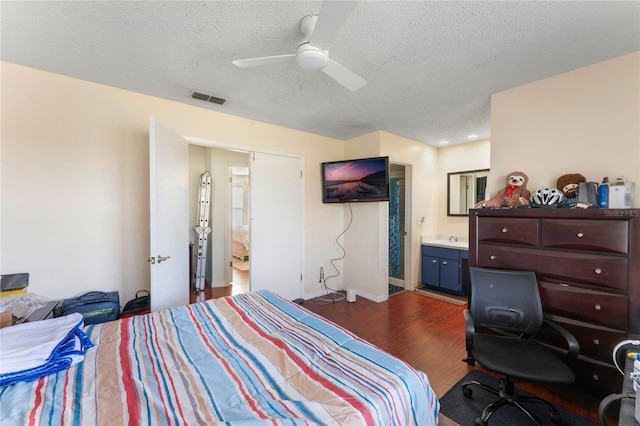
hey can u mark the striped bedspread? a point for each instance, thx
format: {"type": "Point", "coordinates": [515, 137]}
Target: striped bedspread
{"type": "Point", "coordinates": [250, 359]}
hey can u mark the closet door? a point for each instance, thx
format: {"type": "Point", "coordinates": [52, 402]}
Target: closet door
{"type": "Point", "coordinates": [276, 224]}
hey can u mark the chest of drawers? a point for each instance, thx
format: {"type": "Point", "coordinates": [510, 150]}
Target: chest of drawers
{"type": "Point", "coordinates": [588, 267]}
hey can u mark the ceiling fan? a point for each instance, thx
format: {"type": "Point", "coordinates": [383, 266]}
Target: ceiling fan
{"type": "Point", "coordinates": [312, 53]}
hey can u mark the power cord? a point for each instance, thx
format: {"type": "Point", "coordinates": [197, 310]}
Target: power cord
{"type": "Point", "coordinates": [333, 295]}
{"type": "Point", "coordinates": [617, 348]}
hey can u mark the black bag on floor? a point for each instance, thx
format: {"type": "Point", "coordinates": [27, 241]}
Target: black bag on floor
{"type": "Point", "coordinates": [95, 306]}
{"type": "Point", "coordinates": [140, 305]}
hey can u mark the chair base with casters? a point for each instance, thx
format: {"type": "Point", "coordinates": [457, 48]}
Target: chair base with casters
{"type": "Point", "coordinates": [502, 324]}
{"type": "Point", "coordinates": [507, 396]}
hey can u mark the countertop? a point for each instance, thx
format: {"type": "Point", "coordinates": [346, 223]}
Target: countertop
{"type": "Point", "coordinates": [444, 242]}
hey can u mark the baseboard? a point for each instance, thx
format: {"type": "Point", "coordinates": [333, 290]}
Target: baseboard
{"type": "Point", "coordinates": [456, 300]}
{"type": "Point", "coordinates": [359, 293]}
{"type": "Point", "coordinates": [396, 281]}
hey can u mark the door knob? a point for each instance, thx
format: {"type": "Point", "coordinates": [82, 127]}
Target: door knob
{"type": "Point", "coordinates": [163, 258]}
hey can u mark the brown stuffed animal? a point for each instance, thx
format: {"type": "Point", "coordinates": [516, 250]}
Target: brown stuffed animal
{"type": "Point", "coordinates": [569, 184]}
{"type": "Point", "coordinates": [514, 194]}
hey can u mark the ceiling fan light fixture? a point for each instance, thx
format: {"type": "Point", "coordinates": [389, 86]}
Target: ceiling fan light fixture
{"type": "Point", "coordinates": [311, 58]}
{"type": "Point", "coordinates": [312, 53]}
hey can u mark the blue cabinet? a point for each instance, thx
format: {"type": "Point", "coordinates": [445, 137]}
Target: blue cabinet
{"type": "Point", "coordinates": [441, 268]}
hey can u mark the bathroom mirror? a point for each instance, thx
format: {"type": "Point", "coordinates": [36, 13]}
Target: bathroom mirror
{"type": "Point", "coordinates": [465, 189]}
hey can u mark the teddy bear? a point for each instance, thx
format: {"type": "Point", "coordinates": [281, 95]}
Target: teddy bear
{"type": "Point", "coordinates": [514, 194]}
{"type": "Point", "coordinates": [569, 184]}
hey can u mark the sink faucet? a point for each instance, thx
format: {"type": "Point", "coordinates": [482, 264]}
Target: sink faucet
{"type": "Point", "coordinates": [453, 239]}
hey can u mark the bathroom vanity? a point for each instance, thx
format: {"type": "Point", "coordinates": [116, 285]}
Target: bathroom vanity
{"type": "Point", "coordinates": [445, 264]}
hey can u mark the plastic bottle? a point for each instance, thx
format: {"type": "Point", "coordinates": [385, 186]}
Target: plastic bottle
{"type": "Point", "coordinates": [635, 377]}
{"type": "Point", "coordinates": [636, 372]}
{"type": "Point", "coordinates": [603, 194]}
{"type": "Point", "coordinates": [637, 413]}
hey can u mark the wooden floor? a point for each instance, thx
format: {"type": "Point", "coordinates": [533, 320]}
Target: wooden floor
{"type": "Point", "coordinates": [240, 284]}
{"type": "Point", "coordinates": [429, 334]}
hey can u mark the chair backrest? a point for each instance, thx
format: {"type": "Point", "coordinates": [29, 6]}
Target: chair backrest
{"type": "Point", "coordinates": [505, 300]}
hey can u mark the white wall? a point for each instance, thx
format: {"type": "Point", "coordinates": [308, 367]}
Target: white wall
{"type": "Point", "coordinates": [367, 241]}
{"type": "Point", "coordinates": [365, 268]}
{"type": "Point", "coordinates": [458, 158]}
{"type": "Point", "coordinates": [75, 180]}
{"type": "Point", "coordinates": [585, 121]}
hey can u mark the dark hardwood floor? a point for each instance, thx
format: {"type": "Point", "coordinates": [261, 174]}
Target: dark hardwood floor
{"type": "Point", "coordinates": [429, 335]}
{"type": "Point", "coordinates": [240, 284]}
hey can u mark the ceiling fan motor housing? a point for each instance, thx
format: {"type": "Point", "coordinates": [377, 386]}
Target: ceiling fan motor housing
{"type": "Point", "coordinates": [311, 58]}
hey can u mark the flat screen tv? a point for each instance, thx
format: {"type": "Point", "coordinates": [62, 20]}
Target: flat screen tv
{"type": "Point", "coordinates": [350, 181]}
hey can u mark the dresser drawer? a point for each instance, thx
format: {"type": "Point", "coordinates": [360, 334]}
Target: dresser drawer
{"type": "Point", "coordinates": [593, 306]}
{"type": "Point", "coordinates": [603, 270]}
{"type": "Point", "coordinates": [595, 341]}
{"type": "Point", "coordinates": [597, 235]}
{"type": "Point", "coordinates": [596, 374]}
{"type": "Point", "coordinates": [508, 230]}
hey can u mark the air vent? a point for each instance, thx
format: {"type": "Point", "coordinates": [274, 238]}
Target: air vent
{"type": "Point", "coordinates": [207, 98]}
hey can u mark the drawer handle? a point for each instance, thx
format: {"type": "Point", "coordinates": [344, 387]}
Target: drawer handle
{"type": "Point", "coordinates": [505, 229]}
{"type": "Point", "coordinates": [492, 257]}
{"type": "Point", "coordinates": [579, 235]}
{"type": "Point", "coordinates": [434, 261]}
{"type": "Point", "coordinates": [596, 341]}
{"type": "Point", "coordinates": [444, 262]}
{"type": "Point", "coordinates": [598, 271]}
{"type": "Point", "coordinates": [595, 377]}
{"type": "Point", "coordinates": [597, 307]}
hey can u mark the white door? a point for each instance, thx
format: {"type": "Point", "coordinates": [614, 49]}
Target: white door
{"type": "Point", "coordinates": [276, 224]}
{"type": "Point", "coordinates": [168, 216]}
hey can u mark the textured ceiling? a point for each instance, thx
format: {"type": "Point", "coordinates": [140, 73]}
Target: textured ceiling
{"type": "Point", "coordinates": [430, 67]}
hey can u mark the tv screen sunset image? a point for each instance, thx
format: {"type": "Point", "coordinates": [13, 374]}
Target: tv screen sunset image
{"type": "Point", "coordinates": [356, 180]}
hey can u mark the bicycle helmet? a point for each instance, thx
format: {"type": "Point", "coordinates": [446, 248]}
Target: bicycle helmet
{"type": "Point", "coordinates": [547, 197]}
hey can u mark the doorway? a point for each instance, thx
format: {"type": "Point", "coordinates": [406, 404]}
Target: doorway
{"type": "Point", "coordinates": [397, 227]}
{"type": "Point", "coordinates": [264, 192]}
{"type": "Point", "coordinates": [173, 195]}
{"type": "Point", "coordinates": [239, 231]}
{"type": "Point", "coordinates": [217, 161]}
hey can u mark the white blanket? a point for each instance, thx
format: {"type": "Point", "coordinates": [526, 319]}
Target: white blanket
{"type": "Point", "coordinates": [31, 350]}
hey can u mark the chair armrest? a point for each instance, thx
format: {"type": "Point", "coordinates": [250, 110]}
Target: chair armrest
{"type": "Point", "coordinates": [470, 329]}
{"type": "Point", "coordinates": [573, 347]}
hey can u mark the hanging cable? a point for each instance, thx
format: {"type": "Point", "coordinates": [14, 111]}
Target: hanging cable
{"type": "Point", "coordinates": [332, 295]}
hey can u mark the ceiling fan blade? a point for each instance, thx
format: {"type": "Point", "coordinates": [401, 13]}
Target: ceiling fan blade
{"type": "Point", "coordinates": [343, 76]}
{"type": "Point", "coordinates": [265, 60]}
{"type": "Point", "coordinates": [332, 16]}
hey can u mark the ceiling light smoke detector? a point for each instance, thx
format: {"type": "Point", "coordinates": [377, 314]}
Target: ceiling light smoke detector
{"type": "Point", "coordinates": [444, 142]}
{"type": "Point", "coordinates": [311, 58]}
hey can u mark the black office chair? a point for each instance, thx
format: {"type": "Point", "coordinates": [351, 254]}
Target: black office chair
{"type": "Point", "coordinates": [504, 316]}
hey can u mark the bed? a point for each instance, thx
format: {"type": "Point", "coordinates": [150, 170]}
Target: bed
{"type": "Point", "coordinates": [240, 242]}
{"type": "Point", "coordinates": [250, 359]}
